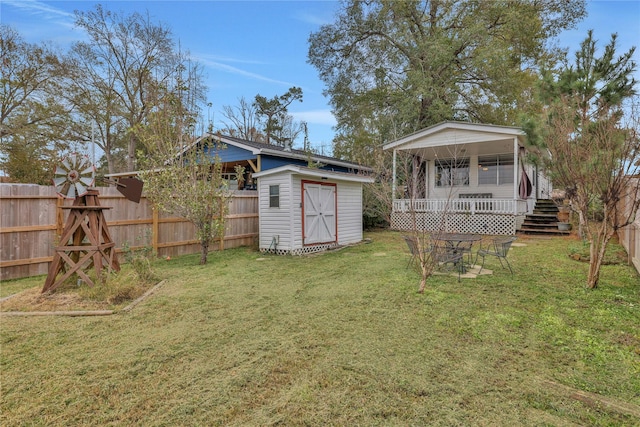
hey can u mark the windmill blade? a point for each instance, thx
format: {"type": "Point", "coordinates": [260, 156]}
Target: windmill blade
{"type": "Point", "coordinates": [86, 180]}
{"type": "Point", "coordinates": [81, 190]}
{"type": "Point", "coordinates": [71, 193]}
{"type": "Point", "coordinates": [59, 181]}
{"type": "Point", "coordinates": [83, 162]}
{"type": "Point", "coordinates": [62, 188]}
{"type": "Point", "coordinates": [89, 169]}
{"type": "Point", "coordinates": [66, 162]}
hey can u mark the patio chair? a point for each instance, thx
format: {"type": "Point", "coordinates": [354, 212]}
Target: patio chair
{"type": "Point", "coordinates": [412, 244]}
{"type": "Point", "coordinates": [442, 255]}
{"type": "Point", "coordinates": [447, 258]}
{"type": "Point", "coordinates": [498, 248]}
{"type": "Point", "coordinates": [465, 248]}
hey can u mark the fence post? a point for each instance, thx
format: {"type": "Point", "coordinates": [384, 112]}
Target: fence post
{"type": "Point", "coordinates": [223, 217]}
{"type": "Point", "coordinates": [155, 227]}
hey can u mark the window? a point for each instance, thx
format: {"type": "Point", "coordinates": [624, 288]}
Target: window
{"type": "Point", "coordinates": [274, 196]}
{"type": "Point", "coordinates": [452, 172]}
{"type": "Point", "coordinates": [231, 179]}
{"type": "Point", "coordinates": [495, 170]}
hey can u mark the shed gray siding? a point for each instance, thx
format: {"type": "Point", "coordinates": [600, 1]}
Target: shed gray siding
{"type": "Point", "coordinates": [285, 222]}
{"type": "Point", "coordinates": [276, 222]}
{"type": "Point", "coordinates": [349, 212]}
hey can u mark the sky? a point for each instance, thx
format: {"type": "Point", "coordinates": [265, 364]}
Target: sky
{"type": "Point", "coordinates": [260, 47]}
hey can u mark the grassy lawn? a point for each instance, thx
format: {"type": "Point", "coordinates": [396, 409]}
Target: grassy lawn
{"type": "Point", "coordinates": [341, 338]}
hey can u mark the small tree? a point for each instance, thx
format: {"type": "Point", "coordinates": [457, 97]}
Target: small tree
{"type": "Point", "coordinates": [192, 187]}
{"type": "Point", "coordinates": [408, 172]}
{"type": "Point", "coordinates": [181, 177]}
{"type": "Point", "coordinates": [411, 186]}
{"type": "Point", "coordinates": [594, 146]}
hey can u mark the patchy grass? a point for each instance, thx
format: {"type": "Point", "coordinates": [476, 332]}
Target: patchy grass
{"type": "Point", "coordinates": [118, 290]}
{"type": "Point", "coordinates": [615, 253]}
{"type": "Point", "coordinates": [12, 287]}
{"type": "Point", "coordinates": [341, 338]}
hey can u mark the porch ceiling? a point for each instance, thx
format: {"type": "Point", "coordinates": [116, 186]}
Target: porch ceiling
{"type": "Point", "coordinates": [463, 150]}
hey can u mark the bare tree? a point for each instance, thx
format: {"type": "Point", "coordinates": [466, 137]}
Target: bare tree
{"type": "Point", "coordinates": [242, 121]}
{"type": "Point", "coordinates": [291, 129]}
{"type": "Point", "coordinates": [99, 109]}
{"type": "Point", "coordinates": [126, 57]}
{"type": "Point", "coordinates": [411, 188]}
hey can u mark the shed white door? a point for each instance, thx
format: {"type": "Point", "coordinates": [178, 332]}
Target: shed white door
{"type": "Point", "coordinates": [318, 212]}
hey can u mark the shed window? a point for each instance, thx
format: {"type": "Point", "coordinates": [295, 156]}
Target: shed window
{"type": "Point", "coordinates": [452, 172]}
{"type": "Point", "coordinates": [274, 196]}
{"type": "Point", "coordinates": [494, 170]}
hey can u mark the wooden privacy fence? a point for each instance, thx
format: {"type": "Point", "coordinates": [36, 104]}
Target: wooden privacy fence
{"type": "Point", "coordinates": [629, 236]}
{"type": "Point", "coordinates": [32, 218]}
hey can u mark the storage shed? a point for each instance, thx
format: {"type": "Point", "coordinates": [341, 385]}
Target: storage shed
{"type": "Point", "coordinates": [304, 210]}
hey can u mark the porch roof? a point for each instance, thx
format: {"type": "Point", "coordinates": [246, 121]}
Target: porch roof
{"type": "Point", "coordinates": [450, 138]}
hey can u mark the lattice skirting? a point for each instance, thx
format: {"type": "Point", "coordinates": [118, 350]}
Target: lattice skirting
{"type": "Point", "coordinates": [301, 251]}
{"type": "Point", "coordinates": [492, 224]}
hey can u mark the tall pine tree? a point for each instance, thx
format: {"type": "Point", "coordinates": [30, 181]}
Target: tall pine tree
{"type": "Point", "coordinates": [592, 140]}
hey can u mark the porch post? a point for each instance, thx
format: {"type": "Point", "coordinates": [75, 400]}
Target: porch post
{"type": "Point", "coordinates": [393, 185]}
{"type": "Point", "coordinates": [516, 193]}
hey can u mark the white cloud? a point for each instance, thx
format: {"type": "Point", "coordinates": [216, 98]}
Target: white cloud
{"type": "Point", "coordinates": [210, 62]}
{"type": "Point", "coordinates": [320, 117]}
{"type": "Point", "coordinates": [312, 19]}
{"type": "Point", "coordinates": [218, 59]}
{"type": "Point", "coordinates": [38, 8]}
{"type": "Point", "coordinates": [38, 22]}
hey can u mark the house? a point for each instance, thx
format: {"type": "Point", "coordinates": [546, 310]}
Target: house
{"type": "Point", "coordinates": [464, 177]}
{"type": "Point", "coordinates": [304, 210]}
{"type": "Point", "coordinates": [258, 157]}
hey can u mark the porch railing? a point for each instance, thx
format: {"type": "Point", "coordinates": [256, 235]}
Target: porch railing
{"type": "Point", "coordinates": [471, 206]}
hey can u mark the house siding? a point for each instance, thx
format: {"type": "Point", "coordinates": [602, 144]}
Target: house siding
{"type": "Point", "coordinates": [232, 153]}
{"type": "Point", "coordinates": [272, 162]}
{"type": "Point", "coordinates": [296, 218]}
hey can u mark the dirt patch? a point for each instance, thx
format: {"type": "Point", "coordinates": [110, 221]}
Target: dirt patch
{"type": "Point", "coordinates": [594, 400]}
{"type": "Point", "coordinates": [32, 300]}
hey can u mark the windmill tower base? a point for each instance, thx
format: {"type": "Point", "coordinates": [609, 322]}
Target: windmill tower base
{"type": "Point", "coordinates": [85, 242]}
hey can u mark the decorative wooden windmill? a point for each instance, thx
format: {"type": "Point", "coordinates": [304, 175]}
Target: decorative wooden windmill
{"type": "Point", "coordinates": [85, 239]}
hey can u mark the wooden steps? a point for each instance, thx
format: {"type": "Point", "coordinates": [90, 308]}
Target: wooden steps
{"type": "Point", "coordinates": [543, 220]}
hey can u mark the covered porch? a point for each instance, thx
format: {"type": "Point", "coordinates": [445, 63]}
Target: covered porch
{"type": "Point", "coordinates": [464, 177]}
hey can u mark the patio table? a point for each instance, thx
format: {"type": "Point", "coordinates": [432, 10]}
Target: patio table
{"type": "Point", "coordinates": [458, 242]}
